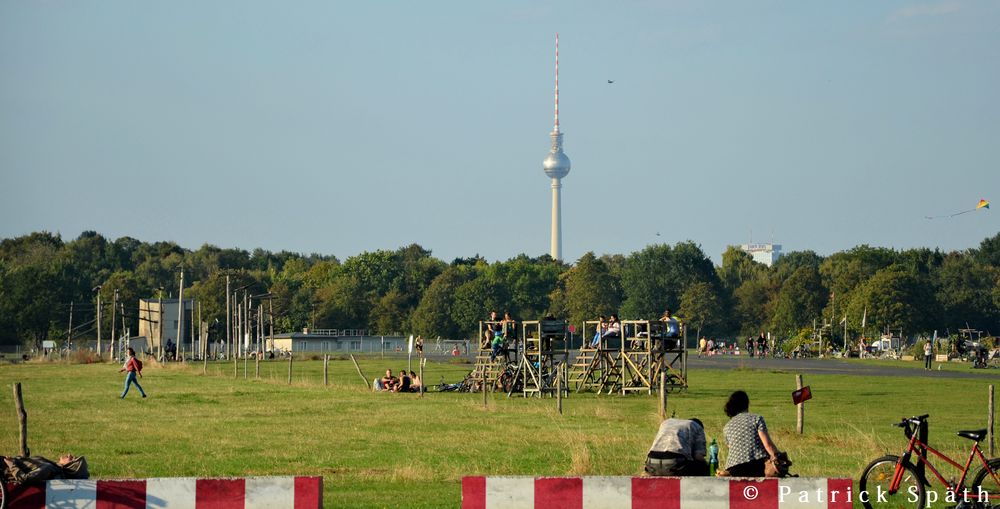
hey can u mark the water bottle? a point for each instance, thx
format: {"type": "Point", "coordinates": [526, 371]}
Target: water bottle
{"type": "Point", "coordinates": [713, 457]}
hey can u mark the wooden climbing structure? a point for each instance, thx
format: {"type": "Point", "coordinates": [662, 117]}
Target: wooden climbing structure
{"type": "Point", "coordinates": [630, 361]}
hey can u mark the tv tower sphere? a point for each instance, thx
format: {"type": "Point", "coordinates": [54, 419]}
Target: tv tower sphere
{"type": "Point", "coordinates": [556, 164]}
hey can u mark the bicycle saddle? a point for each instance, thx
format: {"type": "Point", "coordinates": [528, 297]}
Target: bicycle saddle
{"type": "Point", "coordinates": [976, 435]}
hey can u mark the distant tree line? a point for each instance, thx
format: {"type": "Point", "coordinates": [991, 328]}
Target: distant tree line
{"type": "Point", "coordinates": [409, 291]}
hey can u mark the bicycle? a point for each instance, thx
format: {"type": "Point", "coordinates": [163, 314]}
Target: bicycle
{"type": "Point", "coordinates": [894, 481]}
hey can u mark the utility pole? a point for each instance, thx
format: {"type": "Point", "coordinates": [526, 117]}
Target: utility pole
{"type": "Point", "coordinates": [238, 340]}
{"type": "Point", "coordinates": [69, 333]}
{"type": "Point", "coordinates": [270, 315]}
{"type": "Point", "coordinates": [98, 321]}
{"type": "Point", "coordinates": [234, 330]}
{"type": "Point", "coordinates": [159, 325]}
{"type": "Point", "coordinates": [228, 316]}
{"type": "Point", "coordinates": [201, 334]}
{"type": "Point", "coordinates": [246, 322]}
{"type": "Point", "coordinates": [114, 308]}
{"type": "Point", "coordinates": [125, 333]}
{"type": "Point", "coordinates": [180, 318]}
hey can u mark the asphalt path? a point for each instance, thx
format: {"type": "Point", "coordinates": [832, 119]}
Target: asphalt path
{"type": "Point", "coordinates": [833, 367]}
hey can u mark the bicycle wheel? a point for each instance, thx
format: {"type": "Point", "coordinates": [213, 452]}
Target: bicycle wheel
{"type": "Point", "coordinates": [988, 483]}
{"type": "Point", "coordinates": [3, 493]}
{"type": "Point", "coordinates": [874, 485]}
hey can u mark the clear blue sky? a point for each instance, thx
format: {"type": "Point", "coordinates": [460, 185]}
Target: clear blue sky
{"type": "Point", "coordinates": [340, 127]}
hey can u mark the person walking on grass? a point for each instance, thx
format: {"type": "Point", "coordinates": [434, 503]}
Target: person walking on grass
{"type": "Point", "coordinates": [132, 368]}
{"type": "Point", "coordinates": [928, 358]}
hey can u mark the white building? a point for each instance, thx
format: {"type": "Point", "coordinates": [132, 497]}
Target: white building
{"type": "Point", "coordinates": [763, 253]}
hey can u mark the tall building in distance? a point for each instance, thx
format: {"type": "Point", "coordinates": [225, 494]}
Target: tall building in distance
{"type": "Point", "coordinates": [763, 253]}
{"type": "Point", "coordinates": [556, 166]}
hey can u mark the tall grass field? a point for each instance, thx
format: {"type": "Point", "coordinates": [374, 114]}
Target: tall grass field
{"type": "Point", "coordinates": [392, 450]}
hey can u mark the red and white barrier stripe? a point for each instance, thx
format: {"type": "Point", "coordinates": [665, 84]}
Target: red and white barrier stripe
{"type": "Point", "coordinates": [172, 493]}
{"type": "Point", "coordinates": [655, 492]}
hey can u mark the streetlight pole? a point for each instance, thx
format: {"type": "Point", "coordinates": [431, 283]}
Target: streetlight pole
{"type": "Point", "coordinates": [98, 290]}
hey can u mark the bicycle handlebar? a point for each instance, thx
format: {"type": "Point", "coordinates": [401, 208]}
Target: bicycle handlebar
{"type": "Point", "coordinates": [911, 420]}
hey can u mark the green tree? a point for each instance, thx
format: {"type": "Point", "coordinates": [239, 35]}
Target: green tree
{"type": "Point", "coordinates": [434, 316]}
{"type": "Point", "coordinates": [588, 290]}
{"type": "Point", "coordinates": [530, 283]}
{"type": "Point", "coordinates": [892, 298]}
{"type": "Point", "coordinates": [475, 298]}
{"type": "Point", "coordinates": [701, 307]}
{"type": "Point", "coordinates": [737, 268]}
{"type": "Point", "coordinates": [790, 262]}
{"type": "Point", "coordinates": [800, 300]}
{"type": "Point", "coordinates": [343, 303]}
{"type": "Point", "coordinates": [753, 303]}
{"type": "Point", "coordinates": [989, 251]}
{"type": "Point", "coordinates": [964, 292]}
{"type": "Point", "coordinates": [390, 313]}
{"type": "Point", "coordinates": [654, 279]}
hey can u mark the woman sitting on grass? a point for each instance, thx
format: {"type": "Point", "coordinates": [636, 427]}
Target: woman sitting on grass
{"type": "Point", "coordinates": [750, 446]}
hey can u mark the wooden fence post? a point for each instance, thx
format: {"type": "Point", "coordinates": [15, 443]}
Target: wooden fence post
{"type": "Point", "coordinates": [800, 420]}
{"type": "Point", "coordinates": [362, 375]}
{"type": "Point", "coordinates": [204, 364]}
{"type": "Point", "coordinates": [326, 370]}
{"type": "Point", "coordinates": [420, 367]}
{"type": "Point", "coordinates": [559, 389]}
{"type": "Point", "coordinates": [990, 421]}
{"type": "Point", "coordinates": [663, 395]}
{"type": "Point", "coordinates": [256, 367]}
{"type": "Point", "coordinates": [290, 369]}
{"type": "Point", "coordinates": [236, 366]}
{"type": "Point", "coordinates": [22, 420]}
{"type": "Point", "coordinates": [245, 362]}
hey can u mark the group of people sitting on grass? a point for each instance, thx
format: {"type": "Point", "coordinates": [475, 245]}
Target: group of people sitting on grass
{"type": "Point", "coordinates": [679, 448]}
{"type": "Point", "coordinates": [405, 382]}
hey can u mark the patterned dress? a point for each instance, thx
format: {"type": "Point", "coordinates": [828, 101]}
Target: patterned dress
{"type": "Point", "coordinates": [743, 438]}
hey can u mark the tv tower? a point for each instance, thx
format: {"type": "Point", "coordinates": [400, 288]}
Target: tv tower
{"type": "Point", "coordinates": [556, 166]}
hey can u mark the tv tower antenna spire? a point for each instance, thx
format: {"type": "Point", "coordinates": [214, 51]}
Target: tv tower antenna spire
{"type": "Point", "coordinates": [556, 128]}
{"type": "Point", "coordinates": [556, 166]}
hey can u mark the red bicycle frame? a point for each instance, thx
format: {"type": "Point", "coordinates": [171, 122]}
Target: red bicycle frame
{"type": "Point", "coordinates": [915, 443]}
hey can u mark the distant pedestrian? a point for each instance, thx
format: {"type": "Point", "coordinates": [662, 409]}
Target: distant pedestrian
{"type": "Point", "coordinates": [928, 357]}
{"type": "Point", "coordinates": [132, 368]}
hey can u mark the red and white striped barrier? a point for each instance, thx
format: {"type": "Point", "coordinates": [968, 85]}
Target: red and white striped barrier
{"type": "Point", "coordinates": [171, 493]}
{"type": "Point", "coordinates": [655, 492]}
